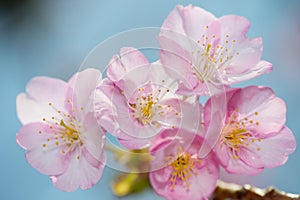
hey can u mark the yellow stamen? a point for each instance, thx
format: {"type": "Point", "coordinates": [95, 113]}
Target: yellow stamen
{"type": "Point", "coordinates": [207, 49]}
{"type": "Point", "coordinates": [236, 134]}
{"type": "Point", "coordinates": [183, 168]}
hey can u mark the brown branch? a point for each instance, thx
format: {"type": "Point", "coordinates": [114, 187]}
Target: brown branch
{"type": "Point", "coordinates": [236, 192]}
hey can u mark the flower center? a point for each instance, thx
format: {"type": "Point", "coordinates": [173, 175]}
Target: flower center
{"type": "Point", "coordinates": [209, 58]}
{"type": "Point", "coordinates": [70, 132]}
{"type": "Point", "coordinates": [183, 168]}
{"type": "Point", "coordinates": [204, 66]}
{"type": "Point", "coordinates": [147, 108]}
{"type": "Point", "coordinates": [66, 131]}
{"type": "Point", "coordinates": [238, 134]}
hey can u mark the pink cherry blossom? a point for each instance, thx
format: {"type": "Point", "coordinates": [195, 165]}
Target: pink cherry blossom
{"type": "Point", "coordinates": [209, 51]}
{"type": "Point", "coordinates": [138, 103]}
{"type": "Point", "coordinates": [60, 134]}
{"type": "Point", "coordinates": [253, 135]}
{"type": "Point", "coordinates": [177, 171]}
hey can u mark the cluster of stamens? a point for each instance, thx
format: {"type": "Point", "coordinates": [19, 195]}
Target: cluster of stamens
{"type": "Point", "coordinates": [237, 133]}
{"type": "Point", "coordinates": [183, 165]}
{"type": "Point", "coordinates": [148, 110]}
{"type": "Point", "coordinates": [209, 58]}
{"type": "Point", "coordinates": [65, 130]}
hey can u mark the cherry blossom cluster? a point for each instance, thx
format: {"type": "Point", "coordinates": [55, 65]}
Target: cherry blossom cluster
{"type": "Point", "coordinates": [158, 106]}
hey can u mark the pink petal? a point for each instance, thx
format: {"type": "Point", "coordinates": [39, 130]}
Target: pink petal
{"type": "Point", "coordinates": [223, 154]}
{"type": "Point", "coordinates": [132, 57]}
{"type": "Point", "coordinates": [189, 115]}
{"type": "Point", "coordinates": [79, 174]}
{"type": "Point", "coordinates": [177, 62]}
{"type": "Point", "coordinates": [232, 164]}
{"type": "Point", "coordinates": [261, 68]}
{"type": "Point", "coordinates": [212, 135]}
{"type": "Point", "coordinates": [94, 137]}
{"type": "Point", "coordinates": [217, 103]}
{"type": "Point", "coordinates": [189, 21]}
{"type": "Point", "coordinates": [135, 79]}
{"type": "Point", "coordinates": [167, 142]}
{"type": "Point", "coordinates": [123, 117]}
{"type": "Point", "coordinates": [215, 111]}
{"type": "Point", "coordinates": [194, 21]}
{"type": "Point", "coordinates": [129, 59]}
{"type": "Point", "coordinates": [48, 159]}
{"type": "Point", "coordinates": [174, 20]}
{"type": "Point", "coordinates": [238, 166]}
{"type": "Point", "coordinates": [249, 54]}
{"type": "Point", "coordinates": [117, 119]}
{"type": "Point", "coordinates": [33, 105]}
{"type": "Point", "coordinates": [159, 180]}
{"type": "Point", "coordinates": [105, 111]}
{"type": "Point", "coordinates": [260, 105]}
{"type": "Point", "coordinates": [245, 53]}
{"type": "Point", "coordinates": [160, 77]}
{"type": "Point", "coordinates": [273, 151]}
{"type": "Point", "coordinates": [84, 84]}
{"type": "Point", "coordinates": [161, 141]}
{"type": "Point", "coordinates": [171, 50]}
{"type": "Point", "coordinates": [235, 165]}
{"type": "Point", "coordinates": [234, 26]}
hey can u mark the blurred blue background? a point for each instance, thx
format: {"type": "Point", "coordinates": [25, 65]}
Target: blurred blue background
{"type": "Point", "coordinates": [52, 38]}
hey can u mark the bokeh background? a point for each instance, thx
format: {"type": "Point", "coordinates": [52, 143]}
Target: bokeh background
{"type": "Point", "coordinates": [52, 38]}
